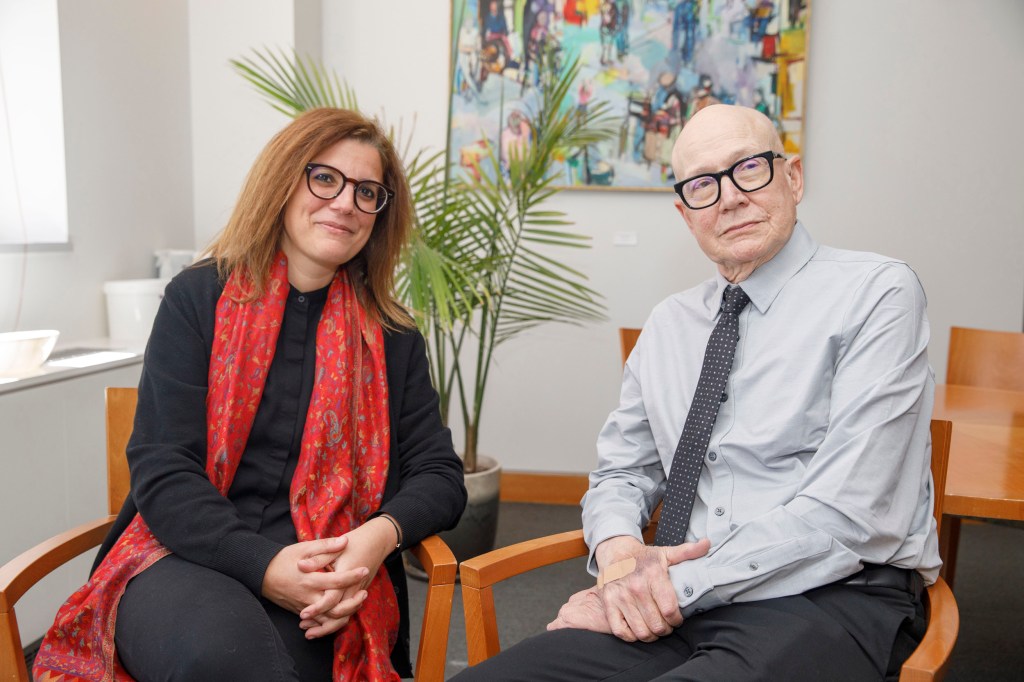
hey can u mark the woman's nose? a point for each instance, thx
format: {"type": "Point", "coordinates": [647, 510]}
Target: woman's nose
{"type": "Point", "coordinates": [346, 199]}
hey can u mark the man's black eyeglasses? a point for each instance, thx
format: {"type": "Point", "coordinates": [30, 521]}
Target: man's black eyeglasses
{"type": "Point", "coordinates": [748, 174]}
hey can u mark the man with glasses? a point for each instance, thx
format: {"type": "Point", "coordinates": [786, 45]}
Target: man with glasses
{"type": "Point", "coordinates": [796, 530]}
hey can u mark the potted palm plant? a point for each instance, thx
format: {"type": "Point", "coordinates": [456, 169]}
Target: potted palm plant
{"type": "Point", "coordinates": [482, 267]}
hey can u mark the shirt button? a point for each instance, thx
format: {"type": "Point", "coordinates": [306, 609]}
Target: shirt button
{"type": "Point", "coordinates": [302, 299]}
{"type": "Point", "coordinates": [688, 592]}
{"type": "Point", "coordinates": [754, 566]}
{"type": "Point", "coordinates": [697, 612]}
{"type": "Point", "coordinates": [725, 396]}
{"type": "Point", "coordinates": [719, 511]}
{"type": "Point", "coordinates": [712, 456]}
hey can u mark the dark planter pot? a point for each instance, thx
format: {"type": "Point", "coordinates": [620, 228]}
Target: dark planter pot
{"type": "Point", "coordinates": [478, 526]}
{"type": "Point", "coordinates": [479, 523]}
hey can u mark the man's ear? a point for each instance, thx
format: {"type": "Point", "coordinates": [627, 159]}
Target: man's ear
{"type": "Point", "coordinates": [679, 207]}
{"type": "Point", "coordinates": [795, 174]}
{"type": "Point", "coordinates": [682, 211]}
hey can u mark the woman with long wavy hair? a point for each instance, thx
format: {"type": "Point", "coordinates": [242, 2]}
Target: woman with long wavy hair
{"type": "Point", "coordinates": [287, 444]}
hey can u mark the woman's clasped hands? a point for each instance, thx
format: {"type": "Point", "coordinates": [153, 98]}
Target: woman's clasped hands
{"type": "Point", "coordinates": [325, 581]}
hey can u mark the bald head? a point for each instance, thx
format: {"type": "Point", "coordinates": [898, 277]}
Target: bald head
{"type": "Point", "coordinates": [722, 127]}
{"type": "Point", "coordinates": [742, 227]}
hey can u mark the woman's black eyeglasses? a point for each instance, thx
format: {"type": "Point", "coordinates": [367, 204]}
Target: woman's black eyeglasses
{"type": "Point", "coordinates": [326, 182]}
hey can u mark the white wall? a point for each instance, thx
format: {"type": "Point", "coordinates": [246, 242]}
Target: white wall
{"type": "Point", "coordinates": [917, 91]}
{"type": "Point", "coordinates": [126, 101]}
{"type": "Point", "coordinates": [942, 86]}
{"type": "Point", "coordinates": [913, 147]}
{"type": "Point", "coordinates": [230, 122]}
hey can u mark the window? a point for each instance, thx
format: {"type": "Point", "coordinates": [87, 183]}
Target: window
{"type": "Point", "coordinates": [33, 181]}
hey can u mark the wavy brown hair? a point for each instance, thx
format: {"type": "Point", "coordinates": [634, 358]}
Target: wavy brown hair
{"type": "Point", "coordinates": [252, 235]}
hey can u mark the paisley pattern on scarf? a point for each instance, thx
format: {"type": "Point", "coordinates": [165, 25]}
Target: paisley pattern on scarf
{"type": "Point", "coordinates": [339, 481]}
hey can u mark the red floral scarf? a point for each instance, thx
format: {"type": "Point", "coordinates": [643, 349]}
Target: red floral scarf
{"type": "Point", "coordinates": [339, 481]}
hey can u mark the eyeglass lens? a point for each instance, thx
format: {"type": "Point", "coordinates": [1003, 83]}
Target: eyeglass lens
{"type": "Point", "coordinates": [748, 175]}
{"type": "Point", "coordinates": [326, 183]}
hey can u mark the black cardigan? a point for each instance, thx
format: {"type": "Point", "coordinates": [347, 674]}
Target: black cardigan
{"type": "Point", "coordinates": [424, 491]}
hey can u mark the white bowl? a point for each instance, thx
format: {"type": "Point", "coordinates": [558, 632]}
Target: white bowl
{"type": "Point", "coordinates": [24, 352]}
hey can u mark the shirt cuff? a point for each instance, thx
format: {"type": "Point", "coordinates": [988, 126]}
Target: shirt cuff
{"type": "Point", "coordinates": [693, 586]}
{"type": "Point", "coordinates": [609, 529]}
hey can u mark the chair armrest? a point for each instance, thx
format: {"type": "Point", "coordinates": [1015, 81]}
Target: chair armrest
{"type": "Point", "coordinates": [930, 659]}
{"type": "Point", "coordinates": [480, 573]}
{"type": "Point", "coordinates": [19, 574]}
{"type": "Point", "coordinates": [503, 563]}
{"type": "Point", "coordinates": [440, 565]}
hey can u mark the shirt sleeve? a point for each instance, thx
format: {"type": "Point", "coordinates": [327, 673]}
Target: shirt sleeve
{"type": "Point", "coordinates": [167, 450]}
{"type": "Point", "coordinates": [629, 479]}
{"type": "Point", "coordinates": [431, 495]}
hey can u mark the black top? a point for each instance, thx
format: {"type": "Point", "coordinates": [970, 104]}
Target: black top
{"type": "Point", "coordinates": [240, 534]}
{"type": "Point", "coordinates": [262, 482]}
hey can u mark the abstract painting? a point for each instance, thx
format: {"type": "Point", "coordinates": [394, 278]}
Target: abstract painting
{"type": "Point", "coordinates": [655, 62]}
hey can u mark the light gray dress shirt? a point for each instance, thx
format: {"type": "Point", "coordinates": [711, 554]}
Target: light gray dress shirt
{"type": "Point", "coordinates": [820, 458]}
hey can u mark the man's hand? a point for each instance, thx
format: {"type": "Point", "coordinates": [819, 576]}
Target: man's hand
{"type": "Point", "coordinates": [583, 611]}
{"type": "Point", "coordinates": [639, 606]}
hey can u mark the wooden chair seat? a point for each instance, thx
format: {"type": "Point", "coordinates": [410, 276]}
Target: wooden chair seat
{"type": "Point", "coordinates": [19, 574]}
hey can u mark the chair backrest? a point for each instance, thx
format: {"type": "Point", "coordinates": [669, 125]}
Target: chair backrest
{"type": "Point", "coordinates": [981, 357]}
{"type": "Point", "coordinates": [627, 339]}
{"type": "Point", "coordinates": [120, 419]}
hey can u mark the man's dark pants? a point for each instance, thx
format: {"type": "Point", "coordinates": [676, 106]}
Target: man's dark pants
{"type": "Point", "coordinates": [838, 632]}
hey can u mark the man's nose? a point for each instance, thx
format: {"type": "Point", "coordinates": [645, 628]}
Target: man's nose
{"type": "Point", "coordinates": [731, 194]}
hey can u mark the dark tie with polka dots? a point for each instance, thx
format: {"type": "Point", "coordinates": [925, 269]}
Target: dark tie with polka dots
{"type": "Point", "coordinates": [693, 444]}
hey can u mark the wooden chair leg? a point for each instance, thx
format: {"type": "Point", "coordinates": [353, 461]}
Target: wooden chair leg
{"type": "Point", "coordinates": [12, 658]}
{"type": "Point", "coordinates": [440, 564]}
{"type": "Point", "coordinates": [949, 543]}
{"type": "Point", "coordinates": [478, 605]}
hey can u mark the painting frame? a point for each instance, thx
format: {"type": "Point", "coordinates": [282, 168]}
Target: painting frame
{"type": "Point", "coordinates": [662, 62]}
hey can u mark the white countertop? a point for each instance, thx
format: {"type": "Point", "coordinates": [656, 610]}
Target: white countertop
{"type": "Point", "coordinates": [74, 359]}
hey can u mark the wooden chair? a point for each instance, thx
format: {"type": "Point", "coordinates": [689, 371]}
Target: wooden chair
{"type": "Point", "coordinates": [931, 658]}
{"type": "Point", "coordinates": [22, 572]}
{"type": "Point", "coordinates": [987, 359]}
{"type": "Point", "coordinates": [480, 574]}
{"type": "Point", "coordinates": [990, 359]}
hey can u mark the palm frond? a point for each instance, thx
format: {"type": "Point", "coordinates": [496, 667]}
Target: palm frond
{"type": "Point", "coordinates": [482, 266]}
{"type": "Point", "coordinates": [292, 84]}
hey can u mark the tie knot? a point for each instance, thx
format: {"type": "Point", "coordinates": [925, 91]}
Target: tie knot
{"type": "Point", "coordinates": [734, 300]}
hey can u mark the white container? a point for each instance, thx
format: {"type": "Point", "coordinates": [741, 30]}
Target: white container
{"type": "Point", "coordinates": [169, 262]}
{"type": "Point", "coordinates": [131, 307]}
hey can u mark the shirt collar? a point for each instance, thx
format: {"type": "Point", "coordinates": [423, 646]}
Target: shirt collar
{"type": "Point", "coordinates": [765, 282]}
